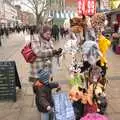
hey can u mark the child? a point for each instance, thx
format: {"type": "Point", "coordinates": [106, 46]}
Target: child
{"type": "Point", "coordinates": [42, 89]}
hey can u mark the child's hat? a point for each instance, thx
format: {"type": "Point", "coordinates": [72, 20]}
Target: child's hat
{"type": "Point", "coordinates": [44, 76]}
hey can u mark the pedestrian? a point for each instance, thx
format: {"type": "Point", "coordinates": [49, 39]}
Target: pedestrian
{"type": "Point", "coordinates": [62, 31]}
{"type": "Point", "coordinates": [43, 91]}
{"type": "Point", "coordinates": [116, 27]}
{"type": "Point", "coordinates": [6, 31]}
{"type": "Point", "coordinates": [23, 28]}
{"type": "Point", "coordinates": [43, 48]}
{"type": "Point", "coordinates": [18, 29]}
{"type": "Point", "coordinates": [55, 32]}
{"type": "Point", "coordinates": [32, 31]}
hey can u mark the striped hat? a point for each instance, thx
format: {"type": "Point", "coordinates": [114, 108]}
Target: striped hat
{"type": "Point", "coordinates": [44, 76]}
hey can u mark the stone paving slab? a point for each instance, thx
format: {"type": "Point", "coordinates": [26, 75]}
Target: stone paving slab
{"type": "Point", "coordinates": [113, 64]}
{"type": "Point", "coordinates": [9, 114]}
{"type": "Point", "coordinates": [29, 114]}
{"type": "Point", "coordinates": [115, 116]}
{"type": "Point", "coordinates": [24, 108]}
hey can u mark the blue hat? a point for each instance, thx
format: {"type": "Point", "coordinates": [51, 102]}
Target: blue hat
{"type": "Point", "coordinates": [44, 76]}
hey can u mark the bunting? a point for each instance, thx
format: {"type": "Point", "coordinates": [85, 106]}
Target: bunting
{"type": "Point", "coordinates": [86, 7]}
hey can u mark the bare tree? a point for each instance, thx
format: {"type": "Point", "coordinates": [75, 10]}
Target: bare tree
{"type": "Point", "coordinates": [39, 8]}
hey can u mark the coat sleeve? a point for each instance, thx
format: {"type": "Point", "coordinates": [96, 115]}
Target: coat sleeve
{"type": "Point", "coordinates": [39, 51]}
{"type": "Point", "coordinates": [53, 85]}
{"type": "Point", "coordinates": [43, 101]}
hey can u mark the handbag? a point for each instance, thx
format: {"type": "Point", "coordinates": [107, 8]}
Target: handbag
{"type": "Point", "coordinates": [28, 53]}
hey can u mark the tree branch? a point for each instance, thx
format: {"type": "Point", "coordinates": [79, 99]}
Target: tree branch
{"type": "Point", "coordinates": [38, 7]}
{"type": "Point", "coordinates": [29, 7]}
{"type": "Point", "coordinates": [31, 2]}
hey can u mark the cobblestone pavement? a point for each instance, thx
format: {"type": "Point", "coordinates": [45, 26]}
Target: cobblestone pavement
{"type": "Point", "coordinates": [24, 108]}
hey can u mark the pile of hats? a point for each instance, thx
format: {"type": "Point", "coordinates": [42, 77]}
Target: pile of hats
{"type": "Point", "coordinates": [77, 24]}
{"type": "Point", "coordinates": [98, 20]}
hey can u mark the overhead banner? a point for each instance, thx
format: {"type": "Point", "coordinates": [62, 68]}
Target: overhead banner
{"type": "Point", "coordinates": [80, 7]}
{"type": "Point", "coordinates": [86, 7]}
{"type": "Point", "coordinates": [91, 7]}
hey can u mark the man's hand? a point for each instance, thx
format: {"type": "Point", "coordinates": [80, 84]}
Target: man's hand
{"type": "Point", "coordinates": [59, 51]}
{"type": "Point", "coordinates": [48, 108]}
{"type": "Point", "coordinates": [55, 52]}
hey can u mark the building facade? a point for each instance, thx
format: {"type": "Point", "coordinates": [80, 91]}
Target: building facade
{"type": "Point", "coordinates": [8, 14]}
{"type": "Point", "coordinates": [19, 13]}
{"type": "Point", "coordinates": [28, 18]}
{"type": "Point", "coordinates": [24, 17]}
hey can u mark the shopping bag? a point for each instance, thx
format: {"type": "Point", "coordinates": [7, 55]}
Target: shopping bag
{"type": "Point", "coordinates": [28, 53]}
{"type": "Point", "coordinates": [63, 107]}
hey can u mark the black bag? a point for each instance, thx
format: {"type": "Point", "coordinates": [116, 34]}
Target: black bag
{"type": "Point", "coordinates": [78, 109]}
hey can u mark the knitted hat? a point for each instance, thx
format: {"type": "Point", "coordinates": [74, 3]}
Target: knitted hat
{"type": "Point", "coordinates": [44, 76]}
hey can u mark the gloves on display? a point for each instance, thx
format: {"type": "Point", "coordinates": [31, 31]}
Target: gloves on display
{"type": "Point", "coordinates": [58, 88]}
{"type": "Point", "coordinates": [60, 51]}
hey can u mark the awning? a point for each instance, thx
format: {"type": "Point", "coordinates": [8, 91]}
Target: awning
{"type": "Point", "coordinates": [113, 11]}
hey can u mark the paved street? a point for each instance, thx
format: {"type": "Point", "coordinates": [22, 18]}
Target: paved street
{"type": "Point", "coordinates": [24, 108]}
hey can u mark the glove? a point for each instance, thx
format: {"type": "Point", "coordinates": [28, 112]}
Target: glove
{"type": "Point", "coordinates": [55, 52]}
{"type": "Point", "coordinates": [58, 89]}
{"type": "Point", "coordinates": [59, 51]}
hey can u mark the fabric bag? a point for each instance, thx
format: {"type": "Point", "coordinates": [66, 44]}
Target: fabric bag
{"type": "Point", "coordinates": [94, 116]}
{"type": "Point", "coordinates": [28, 53]}
{"type": "Point", "coordinates": [90, 108]}
{"type": "Point", "coordinates": [63, 107]}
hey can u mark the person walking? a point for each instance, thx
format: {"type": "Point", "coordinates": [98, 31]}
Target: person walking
{"type": "Point", "coordinates": [55, 32]}
{"type": "Point", "coordinates": [62, 31]}
{"type": "Point", "coordinates": [43, 48]}
{"type": "Point", "coordinates": [0, 37]}
{"type": "Point", "coordinates": [6, 32]}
